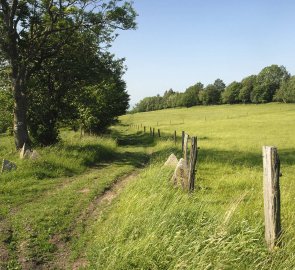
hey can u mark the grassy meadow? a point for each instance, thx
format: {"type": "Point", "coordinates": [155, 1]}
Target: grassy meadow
{"type": "Point", "coordinates": [219, 226]}
{"type": "Point", "coordinates": [50, 217]}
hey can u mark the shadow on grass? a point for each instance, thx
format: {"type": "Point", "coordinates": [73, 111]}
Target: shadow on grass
{"type": "Point", "coordinates": [136, 159]}
{"type": "Point", "coordinates": [139, 139]}
{"type": "Point", "coordinates": [91, 153]}
{"type": "Point", "coordinates": [95, 154]}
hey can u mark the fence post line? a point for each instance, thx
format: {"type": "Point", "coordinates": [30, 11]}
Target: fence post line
{"type": "Point", "coordinates": [159, 133]}
{"type": "Point", "coordinates": [192, 164]}
{"type": "Point", "coordinates": [271, 192]}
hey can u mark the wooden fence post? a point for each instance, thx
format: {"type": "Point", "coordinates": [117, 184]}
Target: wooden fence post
{"type": "Point", "coordinates": [150, 131]}
{"type": "Point", "coordinates": [271, 190]}
{"type": "Point", "coordinates": [144, 129]}
{"type": "Point", "coordinates": [175, 138]}
{"type": "Point", "coordinates": [182, 140]}
{"type": "Point", "coordinates": [153, 132]}
{"type": "Point", "coordinates": [159, 133]}
{"type": "Point", "coordinates": [192, 164]}
{"type": "Point", "coordinates": [185, 142]}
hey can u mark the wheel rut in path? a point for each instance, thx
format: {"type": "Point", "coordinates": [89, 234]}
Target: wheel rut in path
{"type": "Point", "coordinates": [61, 258]}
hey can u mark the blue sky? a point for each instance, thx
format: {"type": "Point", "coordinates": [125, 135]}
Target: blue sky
{"type": "Point", "coordinates": [179, 43]}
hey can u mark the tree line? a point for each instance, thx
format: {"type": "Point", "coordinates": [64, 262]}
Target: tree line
{"type": "Point", "coordinates": [56, 69]}
{"type": "Point", "coordinates": [273, 83]}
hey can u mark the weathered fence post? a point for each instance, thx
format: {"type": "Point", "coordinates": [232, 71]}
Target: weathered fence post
{"type": "Point", "coordinates": [271, 190]}
{"type": "Point", "coordinates": [175, 138]}
{"type": "Point", "coordinates": [182, 140]}
{"type": "Point", "coordinates": [192, 164]}
{"type": "Point", "coordinates": [159, 133]}
{"type": "Point", "coordinates": [185, 142]}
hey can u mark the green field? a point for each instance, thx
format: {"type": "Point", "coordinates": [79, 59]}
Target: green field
{"type": "Point", "coordinates": [150, 224]}
{"type": "Point", "coordinates": [221, 225]}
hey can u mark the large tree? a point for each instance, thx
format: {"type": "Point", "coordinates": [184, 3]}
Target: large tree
{"type": "Point", "coordinates": [191, 95]}
{"type": "Point", "coordinates": [286, 93]}
{"type": "Point", "coordinates": [268, 81]}
{"type": "Point", "coordinates": [32, 32]}
{"type": "Point", "coordinates": [247, 85]}
{"type": "Point", "coordinates": [231, 93]}
{"type": "Point", "coordinates": [210, 95]}
{"type": "Point", "coordinates": [58, 92]}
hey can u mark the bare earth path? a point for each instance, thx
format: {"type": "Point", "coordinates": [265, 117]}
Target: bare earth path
{"type": "Point", "coordinates": [61, 259]}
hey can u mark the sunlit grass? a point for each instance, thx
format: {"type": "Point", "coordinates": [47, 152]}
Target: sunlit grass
{"type": "Point", "coordinates": [152, 225]}
{"type": "Point", "coordinates": [220, 225]}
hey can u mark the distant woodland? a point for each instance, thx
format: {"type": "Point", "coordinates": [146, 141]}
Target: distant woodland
{"type": "Point", "coordinates": [273, 83]}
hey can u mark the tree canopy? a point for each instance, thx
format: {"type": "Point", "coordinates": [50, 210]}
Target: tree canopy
{"type": "Point", "coordinates": [53, 48]}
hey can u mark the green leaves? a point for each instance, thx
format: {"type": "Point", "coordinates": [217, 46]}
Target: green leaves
{"type": "Point", "coordinates": [286, 93]}
{"type": "Point", "coordinates": [6, 105]}
{"type": "Point", "coordinates": [56, 52]}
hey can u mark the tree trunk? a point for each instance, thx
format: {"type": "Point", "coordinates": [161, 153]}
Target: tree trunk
{"type": "Point", "coordinates": [20, 129]}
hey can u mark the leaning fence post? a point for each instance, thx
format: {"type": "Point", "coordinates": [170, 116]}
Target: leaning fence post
{"type": "Point", "coordinates": [192, 164]}
{"type": "Point", "coordinates": [159, 133]}
{"type": "Point", "coordinates": [271, 191]}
